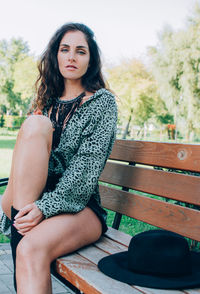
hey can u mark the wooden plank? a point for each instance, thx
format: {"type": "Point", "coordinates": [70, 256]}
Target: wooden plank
{"type": "Point", "coordinates": [93, 254]}
{"type": "Point", "coordinates": [158, 291]}
{"type": "Point", "coordinates": [101, 249]}
{"type": "Point", "coordinates": [118, 236]}
{"type": "Point", "coordinates": [181, 187]}
{"type": "Point", "coordinates": [174, 155]}
{"type": "Point", "coordinates": [86, 277]}
{"type": "Point", "coordinates": [182, 220]}
{"type": "Point", "coordinates": [110, 246]}
{"type": "Point", "coordinates": [192, 291]}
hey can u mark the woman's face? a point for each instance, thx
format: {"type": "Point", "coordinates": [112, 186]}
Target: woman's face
{"type": "Point", "coordinates": [73, 55]}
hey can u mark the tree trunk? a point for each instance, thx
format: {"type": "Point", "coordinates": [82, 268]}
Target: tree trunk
{"type": "Point", "coordinates": [127, 126]}
{"type": "Point", "coordinates": [190, 131]}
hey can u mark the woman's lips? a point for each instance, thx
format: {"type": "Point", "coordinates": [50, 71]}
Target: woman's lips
{"type": "Point", "coordinates": [71, 67]}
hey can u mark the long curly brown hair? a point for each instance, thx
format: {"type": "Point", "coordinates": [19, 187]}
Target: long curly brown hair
{"type": "Point", "coordinates": [50, 83]}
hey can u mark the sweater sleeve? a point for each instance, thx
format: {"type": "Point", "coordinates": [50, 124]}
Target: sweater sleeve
{"type": "Point", "coordinates": [80, 178]}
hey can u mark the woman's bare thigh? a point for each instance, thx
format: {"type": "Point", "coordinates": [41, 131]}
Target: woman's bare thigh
{"type": "Point", "coordinates": [63, 233]}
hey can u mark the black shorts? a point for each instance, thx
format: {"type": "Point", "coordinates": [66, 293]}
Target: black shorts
{"type": "Point", "coordinates": [100, 212]}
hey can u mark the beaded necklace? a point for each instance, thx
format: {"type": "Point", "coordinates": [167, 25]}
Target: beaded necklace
{"type": "Point", "coordinates": [61, 113]}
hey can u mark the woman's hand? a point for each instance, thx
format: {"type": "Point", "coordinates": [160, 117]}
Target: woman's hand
{"type": "Point", "coordinates": [27, 218]}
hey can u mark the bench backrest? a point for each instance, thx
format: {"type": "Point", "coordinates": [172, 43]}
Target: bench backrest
{"type": "Point", "coordinates": [169, 170]}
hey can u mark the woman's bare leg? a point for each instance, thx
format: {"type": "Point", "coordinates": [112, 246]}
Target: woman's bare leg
{"type": "Point", "coordinates": [50, 239]}
{"type": "Point", "coordinates": [29, 163]}
{"type": "Point", "coordinates": [29, 169]}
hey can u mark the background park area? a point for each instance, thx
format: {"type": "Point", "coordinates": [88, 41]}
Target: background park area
{"type": "Point", "coordinates": [158, 96]}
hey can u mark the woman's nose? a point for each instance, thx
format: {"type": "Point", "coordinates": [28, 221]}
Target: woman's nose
{"type": "Point", "coordinates": [71, 56]}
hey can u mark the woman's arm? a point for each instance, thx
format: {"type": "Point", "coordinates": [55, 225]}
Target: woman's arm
{"type": "Point", "coordinates": [80, 179]}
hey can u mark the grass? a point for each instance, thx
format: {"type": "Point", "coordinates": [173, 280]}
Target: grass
{"type": "Point", "coordinates": [4, 239]}
{"type": "Point", "coordinates": [129, 225]}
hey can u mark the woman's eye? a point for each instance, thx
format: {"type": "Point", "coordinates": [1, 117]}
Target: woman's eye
{"type": "Point", "coordinates": [64, 50]}
{"type": "Point", "coordinates": [81, 52]}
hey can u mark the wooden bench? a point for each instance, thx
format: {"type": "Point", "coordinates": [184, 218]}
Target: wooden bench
{"type": "Point", "coordinates": [131, 168]}
{"type": "Point", "coordinates": [168, 170]}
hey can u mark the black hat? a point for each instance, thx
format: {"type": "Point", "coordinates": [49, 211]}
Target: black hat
{"type": "Point", "coordinates": [155, 259]}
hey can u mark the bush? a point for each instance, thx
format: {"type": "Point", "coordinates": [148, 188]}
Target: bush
{"type": "Point", "coordinates": [17, 121]}
{"type": "Point", "coordinates": [14, 122]}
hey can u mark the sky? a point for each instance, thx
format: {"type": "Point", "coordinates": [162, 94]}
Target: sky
{"type": "Point", "coordinates": [123, 28]}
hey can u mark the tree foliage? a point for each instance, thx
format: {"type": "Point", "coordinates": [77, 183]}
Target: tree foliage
{"type": "Point", "coordinates": [17, 75]}
{"type": "Point", "coordinates": [25, 74]}
{"type": "Point", "coordinates": [139, 102]}
{"type": "Point", "coordinates": [175, 64]}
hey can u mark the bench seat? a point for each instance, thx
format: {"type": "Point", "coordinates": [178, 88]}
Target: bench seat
{"type": "Point", "coordinates": [80, 268]}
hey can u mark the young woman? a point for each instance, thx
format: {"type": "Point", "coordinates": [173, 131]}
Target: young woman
{"type": "Point", "coordinates": [52, 202]}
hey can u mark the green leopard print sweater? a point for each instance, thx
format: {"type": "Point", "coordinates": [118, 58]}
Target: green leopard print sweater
{"type": "Point", "coordinates": [80, 157]}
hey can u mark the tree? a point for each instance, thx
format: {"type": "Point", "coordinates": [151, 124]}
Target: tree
{"type": "Point", "coordinates": [138, 98]}
{"type": "Point", "coordinates": [12, 52]}
{"type": "Point", "coordinates": [175, 64]}
{"type": "Point", "coordinates": [24, 75]}
{"type": "Point", "coordinates": [12, 97]}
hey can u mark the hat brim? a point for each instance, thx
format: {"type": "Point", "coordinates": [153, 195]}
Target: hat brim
{"type": "Point", "coordinates": [116, 267]}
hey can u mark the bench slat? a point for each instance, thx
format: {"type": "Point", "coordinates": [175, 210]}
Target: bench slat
{"type": "Point", "coordinates": [179, 156]}
{"type": "Point", "coordinates": [158, 291]}
{"type": "Point", "coordinates": [192, 291]}
{"type": "Point", "coordinates": [85, 276]}
{"type": "Point", "coordinates": [168, 184]}
{"type": "Point", "coordinates": [91, 254]}
{"type": "Point", "coordinates": [118, 236]}
{"type": "Point", "coordinates": [110, 246]}
{"type": "Point", "coordinates": [182, 220]}
{"type": "Point", "coordinates": [101, 247]}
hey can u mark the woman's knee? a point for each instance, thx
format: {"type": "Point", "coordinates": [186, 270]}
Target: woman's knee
{"type": "Point", "coordinates": [36, 125]}
{"type": "Point", "coordinates": [29, 253]}
{"type": "Point", "coordinates": [25, 249]}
